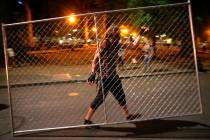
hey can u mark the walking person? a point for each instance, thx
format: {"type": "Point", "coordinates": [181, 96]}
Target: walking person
{"type": "Point", "coordinates": [107, 57]}
{"type": "Point", "coordinates": [148, 50]}
{"type": "Point", "coordinates": [11, 57]}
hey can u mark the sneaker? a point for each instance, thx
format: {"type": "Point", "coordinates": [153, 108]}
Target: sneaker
{"type": "Point", "coordinates": [88, 122]}
{"type": "Point", "coordinates": [133, 117]}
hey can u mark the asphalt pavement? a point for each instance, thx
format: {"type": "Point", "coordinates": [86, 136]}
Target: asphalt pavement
{"type": "Point", "coordinates": [191, 127]}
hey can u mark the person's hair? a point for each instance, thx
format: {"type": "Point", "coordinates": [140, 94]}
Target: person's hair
{"type": "Point", "coordinates": [109, 32]}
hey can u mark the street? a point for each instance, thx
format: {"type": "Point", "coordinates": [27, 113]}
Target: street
{"type": "Point", "coordinates": [64, 104]}
{"type": "Point", "coordinates": [57, 96]}
{"type": "Point", "coordinates": [159, 48]}
{"type": "Point", "coordinates": [54, 105]}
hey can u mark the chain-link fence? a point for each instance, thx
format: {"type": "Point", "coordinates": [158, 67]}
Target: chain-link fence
{"type": "Point", "coordinates": [50, 60]}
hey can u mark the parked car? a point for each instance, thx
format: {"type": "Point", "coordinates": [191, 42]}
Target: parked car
{"type": "Point", "coordinates": [73, 42]}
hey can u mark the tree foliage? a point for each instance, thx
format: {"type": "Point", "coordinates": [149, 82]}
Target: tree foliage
{"type": "Point", "coordinates": [134, 3]}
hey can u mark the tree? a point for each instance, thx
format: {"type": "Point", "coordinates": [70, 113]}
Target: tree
{"type": "Point", "coordinates": [134, 3]}
{"type": "Point", "coordinates": [30, 25]}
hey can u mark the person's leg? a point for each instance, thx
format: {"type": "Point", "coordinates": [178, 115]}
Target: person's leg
{"type": "Point", "coordinates": [146, 60]}
{"type": "Point", "coordinates": [119, 95]}
{"type": "Point", "coordinates": [89, 115]}
{"type": "Point", "coordinates": [125, 111]}
{"type": "Point", "coordinates": [101, 95]}
{"type": "Point", "coordinates": [13, 61]}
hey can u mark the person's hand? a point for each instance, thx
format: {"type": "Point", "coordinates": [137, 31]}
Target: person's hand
{"type": "Point", "coordinates": [91, 78]}
{"type": "Point", "coordinates": [143, 30]}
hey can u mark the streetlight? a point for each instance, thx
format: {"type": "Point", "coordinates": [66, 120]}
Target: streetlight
{"type": "Point", "coordinates": [72, 19]}
{"type": "Point", "coordinates": [124, 31]}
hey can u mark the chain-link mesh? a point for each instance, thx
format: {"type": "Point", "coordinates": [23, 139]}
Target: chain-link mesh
{"type": "Point", "coordinates": [50, 60]}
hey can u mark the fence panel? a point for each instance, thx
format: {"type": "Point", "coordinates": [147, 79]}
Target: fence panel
{"type": "Point", "coordinates": [50, 60]}
{"type": "Point", "coordinates": [160, 82]}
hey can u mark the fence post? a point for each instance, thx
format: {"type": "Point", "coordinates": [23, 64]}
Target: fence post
{"type": "Point", "coordinates": [194, 49]}
{"type": "Point", "coordinates": [7, 75]}
{"type": "Point", "coordinates": [101, 82]}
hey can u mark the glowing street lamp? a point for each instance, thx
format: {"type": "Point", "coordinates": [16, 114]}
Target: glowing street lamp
{"type": "Point", "coordinates": [72, 19]}
{"type": "Point", "coordinates": [124, 31]}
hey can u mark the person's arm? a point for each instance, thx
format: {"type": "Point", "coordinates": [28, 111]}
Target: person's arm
{"type": "Point", "coordinates": [94, 67]}
{"type": "Point", "coordinates": [141, 33]}
{"type": "Point", "coordinates": [135, 42]}
{"type": "Point", "coordinates": [96, 56]}
{"type": "Point", "coordinates": [94, 61]}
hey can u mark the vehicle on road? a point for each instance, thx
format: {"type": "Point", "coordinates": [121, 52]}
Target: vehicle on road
{"type": "Point", "coordinates": [72, 42]}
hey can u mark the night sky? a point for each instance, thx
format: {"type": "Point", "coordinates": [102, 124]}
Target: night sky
{"type": "Point", "coordinates": [14, 11]}
{"type": "Point", "coordinates": [200, 8]}
{"type": "Point", "coordinates": [11, 9]}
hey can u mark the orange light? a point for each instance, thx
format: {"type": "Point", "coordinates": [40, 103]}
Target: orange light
{"type": "Point", "coordinates": [207, 32]}
{"type": "Point", "coordinates": [124, 31]}
{"type": "Point", "coordinates": [94, 29]}
{"type": "Point", "coordinates": [134, 34]}
{"type": "Point", "coordinates": [72, 19]}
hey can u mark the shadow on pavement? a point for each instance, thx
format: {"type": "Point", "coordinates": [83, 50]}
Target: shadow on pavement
{"type": "Point", "coordinates": [149, 129]}
{"type": "Point", "coordinates": [160, 128]}
{"type": "Point", "coordinates": [3, 106]}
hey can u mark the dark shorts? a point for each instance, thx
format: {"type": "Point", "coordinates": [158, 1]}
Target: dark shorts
{"type": "Point", "coordinates": [112, 84]}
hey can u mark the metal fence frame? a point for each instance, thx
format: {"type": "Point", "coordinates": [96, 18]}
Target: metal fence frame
{"type": "Point", "coordinates": [95, 19]}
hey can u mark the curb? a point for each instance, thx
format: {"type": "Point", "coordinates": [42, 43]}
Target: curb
{"type": "Point", "coordinates": [84, 80]}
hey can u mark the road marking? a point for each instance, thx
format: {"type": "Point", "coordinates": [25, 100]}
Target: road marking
{"type": "Point", "coordinates": [62, 76]}
{"type": "Point", "coordinates": [73, 94]}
